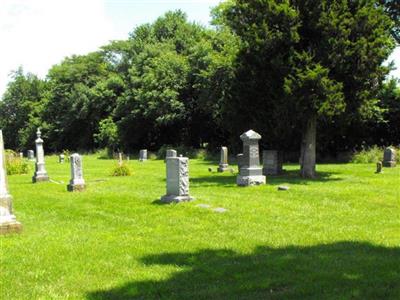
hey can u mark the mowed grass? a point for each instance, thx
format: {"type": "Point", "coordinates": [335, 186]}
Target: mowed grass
{"type": "Point", "coordinates": [335, 237]}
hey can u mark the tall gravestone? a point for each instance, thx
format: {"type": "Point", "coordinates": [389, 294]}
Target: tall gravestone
{"type": "Point", "coordinates": [250, 172]}
{"type": "Point", "coordinates": [389, 158]}
{"type": "Point", "coordinates": [143, 155]}
{"type": "Point", "coordinates": [272, 162]}
{"type": "Point", "coordinates": [40, 170]}
{"type": "Point", "coordinates": [8, 222]}
{"type": "Point", "coordinates": [177, 180]}
{"type": "Point", "coordinates": [223, 162]}
{"type": "Point", "coordinates": [31, 155]}
{"type": "Point", "coordinates": [77, 183]}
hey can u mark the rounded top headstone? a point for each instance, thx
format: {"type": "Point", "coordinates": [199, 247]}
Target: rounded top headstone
{"type": "Point", "coordinates": [250, 135]}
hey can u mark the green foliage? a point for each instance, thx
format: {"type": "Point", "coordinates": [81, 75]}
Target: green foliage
{"type": "Point", "coordinates": [371, 155]}
{"type": "Point", "coordinates": [121, 170]}
{"type": "Point", "coordinates": [107, 135]}
{"type": "Point", "coordinates": [14, 164]}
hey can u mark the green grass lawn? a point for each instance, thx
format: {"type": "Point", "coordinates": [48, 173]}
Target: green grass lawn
{"type": "Point", "coordinates": [336, 237]}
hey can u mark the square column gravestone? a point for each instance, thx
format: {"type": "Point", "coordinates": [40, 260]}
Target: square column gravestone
{"type": "Point", "coordinates": [8, 222]}
{"type": "Point", "coordinates": [250, 171]}
{"type": "Point", "coordinates": [31, 155]}
{"type": "Point", "coordinates": [177, 180]}
{"type": "Point", "coordinates": [389, 158]}
{"type": "Point", "coordinates": [223, 162]}
{"type": "Point", "coordinates": [77, 183]}
{"type": "Point", "coordinates": [40, 171]}
{"type": "Point", "coordinates": [272, 162]}
{"type": "Point", "coordinates": [143, 155]}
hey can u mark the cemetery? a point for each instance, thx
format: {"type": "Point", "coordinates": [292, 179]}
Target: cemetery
{"type": "Point", "coordinates": [255, 158]}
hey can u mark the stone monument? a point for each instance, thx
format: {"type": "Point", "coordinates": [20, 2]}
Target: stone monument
{"type": "Point", "coordinates": [177, 180]}
{"type": "Point", "coordinates": [77, 183]}
{"type": "Point", "coordinates": [239, 159]}
{"type": "Point", "coordinates": [378, 167]}
{"type": "Point", "coordinates": [31, 155]}
{"type": "Point", "coordinates": [143, 155]}
{"type": "Point", "coordinates": [389, 158]}
{"type": "Point", "coordinates": [250, 172]}
{"type": "Point", "coordinates": [223, 162]}
{"type": "Point", "coordinates": [170, 153]}
{"type": "Point", "coordinates": [272, 162]}
{"type": "Point", "coordinates": [8, 222]}
{"type": "Point", "coordinates": [40, 171]}
{"type": "Point", "coordinates": [61, 158]}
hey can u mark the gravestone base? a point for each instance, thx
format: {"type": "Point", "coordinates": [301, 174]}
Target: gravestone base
{"type": "Point", "coordinates": [223, 168]}
{"type": "Point", "coordinates": [250, 180]}
{"type": "Point", "coordinates": [76, 187]}
{"type": "Point", "coordinates": [40, 178]}
{"type": "Point", "coordinates": [176, 199]}
{"type": "Point", "coordinates": [389, 164]}
{"type": "Point", "coordinates": [11, 226]}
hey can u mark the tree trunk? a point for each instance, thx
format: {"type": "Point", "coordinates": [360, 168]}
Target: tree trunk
{"type": "Point", "coordinates": [308, 149]}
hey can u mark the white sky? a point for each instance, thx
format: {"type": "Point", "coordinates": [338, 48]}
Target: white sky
{"type": "Point", "coordinates": [37, 34]}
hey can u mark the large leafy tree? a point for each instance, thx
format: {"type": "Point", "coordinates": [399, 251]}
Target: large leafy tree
{"type": "Point", "coordinates": [308, 60]}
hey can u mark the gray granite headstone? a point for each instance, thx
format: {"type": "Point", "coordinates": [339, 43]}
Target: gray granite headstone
{"type": "Point", "coordinates": [223, 162]}
{"type": "Point", "coordinates": [272, 162]}
{"type": "Point", "coordinates": [251, 172]}
{"type": "Point", "coordinates": [143, 155]}
{"type": "Point", "coordinates": [77, 183]}
{"type": "Point", "coordinates": [170, 153]}
{"type": "Point", "coordinates": [389, 158]}
{"type": "Point", "coordinates": [61, 158]}
{"type": "Point", "coordinates": [8, 222]}
{"type": "Point", "coordinates": [239, 159]}
{"type": "Point", "coordinates": [31, 155]}
{"type": "Point", "coordinates": [40, 174]}
{"type": "Point", "coordinates": [177, 180]}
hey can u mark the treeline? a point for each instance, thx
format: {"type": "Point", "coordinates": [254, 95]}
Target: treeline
{"type": "Point", "coordinates": [267, 65]}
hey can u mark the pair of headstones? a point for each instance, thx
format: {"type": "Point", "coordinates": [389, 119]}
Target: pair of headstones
{"type": "Point", "coordinates": [77, 183]}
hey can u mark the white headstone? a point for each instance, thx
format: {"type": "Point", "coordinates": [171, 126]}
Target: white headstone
{"type": "Point", "coordinates": [8, 222]}
{"type": "Point", "coordinates": [143, 155]}
{"type": "Point", "coordinates": [77, 183]}
{"type": "Point", "coordinates": [40, 170]}
{"type": "Point", "coordinates": [223, 163]}
{"type": "Point", "coordinates": [31, 155]}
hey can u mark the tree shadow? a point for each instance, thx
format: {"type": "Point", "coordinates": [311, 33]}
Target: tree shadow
{"type": "Point", "coordinates": [343, 270]}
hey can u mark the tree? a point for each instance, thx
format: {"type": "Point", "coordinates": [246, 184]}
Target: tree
{"type": "Point", "coordinates": [309, 59]}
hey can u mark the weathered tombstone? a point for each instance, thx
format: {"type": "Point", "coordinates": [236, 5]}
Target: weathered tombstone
{"type": "Point", "coordinates": [8, 222]}
{"type": "Point", "coordinates": [177, 180]}
{"type": "Point", "coordinates": [251, 171]}
{"type": "Point", "coordinates": [378, 167]}
{"type": "Point", "coordinates": [31, 155]}
{"type": "Point", "coordinates": [272, 162]}
{"type": "Point", "coordinates": [239, 159]}
{"type": "Point", "coordinates": [21, 155]}
{"type": "Point", "coordinates": [170, 153]}
{"type": "Point", "coordinates": [77, 183]}
{"type": "Point", "coordinates": [120, 162]}
{"type": "Point", "coordinates": [389, 158]}
{"type": "Point", "coordinates": [61, 158]}
{"type": "Point", "coordinates": [223, 162]}
{"type": "Point", "coordinates": [143, 155]}
{"type": "Point", "coordinates": [40, 171]}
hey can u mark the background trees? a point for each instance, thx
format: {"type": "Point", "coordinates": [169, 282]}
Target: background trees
{"type": "Point", "coordinates": [284, 68]}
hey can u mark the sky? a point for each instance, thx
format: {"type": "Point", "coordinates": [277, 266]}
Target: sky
{"type": "Point", "coordinates": [36, 34]}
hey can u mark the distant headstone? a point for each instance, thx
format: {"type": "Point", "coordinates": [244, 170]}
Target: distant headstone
{"type": "Point", "coordinates": [120, 162]}
{"type": "Point", "coordinates": [31, 155]}
{"type": "Point", "coordinates": [143, 155]}
{"type": "Point", "coordinates": [272, 162]}
{"type": "Point", "coordinates": [239, 159]}
{"type": "Point", "coordinates": [283, 188]}
{"type": "Point", "coordinates": [223, 162]}
{"type": "Point", "coordinates": [250, 172]}
{"type": "Point", "coordinates": [378, 167]}
{"type": "Point", "coordinates": [389, 158]}
{"type": "Point", "coordinates": [177, 180]}
{"type": "Point", "coordinates": [170, 153]}
{"type": "Point", "coordinates": [8, 222]}
{"type": "Point", "coordinates": [40, 171]}
{"type": "Point", "coordinates": [61, 158]}
{"type": "Point", "coordinates": [21, 155]}
{"type": "Point", "coordinates": [77, 183]}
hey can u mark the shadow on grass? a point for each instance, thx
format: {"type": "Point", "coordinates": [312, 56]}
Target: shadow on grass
{"type": "Point", "coordinates": [290, 177]}
{"type": "Point", "coordinates": [344, 270]}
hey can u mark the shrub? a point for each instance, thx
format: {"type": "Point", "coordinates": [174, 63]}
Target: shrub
{"type": "Point", "coordinates": [186, 151]}
{"type": "Point", "coordinates": [371, 155]}
{"type": "Point", "coordinates": [15, 164]}
{"type": "Point", "coordinates": [121, 170]}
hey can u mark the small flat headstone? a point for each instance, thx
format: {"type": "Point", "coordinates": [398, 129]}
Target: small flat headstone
{"type": "Point", "coordinates": [220, 210]}
{"type": "Point", "coordinates": [283, 188]}
{"type": "Point", "coordinates": [203, 205]}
